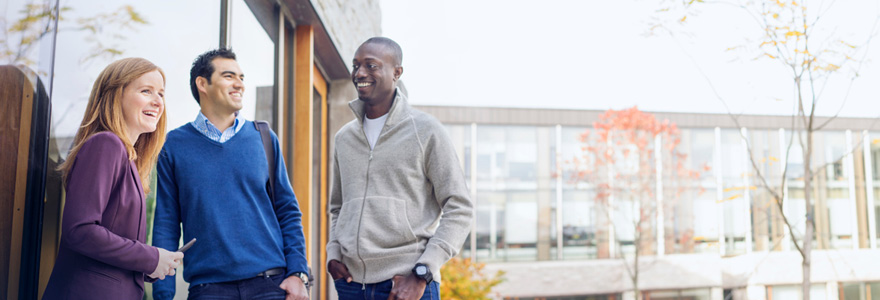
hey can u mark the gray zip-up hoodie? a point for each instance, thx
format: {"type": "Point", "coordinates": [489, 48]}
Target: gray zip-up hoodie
{"type": "Point", "coordinates": [386, 204]}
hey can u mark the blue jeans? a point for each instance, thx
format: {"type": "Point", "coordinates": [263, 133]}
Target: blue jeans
{"type": "Point", "coordinates": [257, 288]}
{"type": "Point", "coordinates": [378, 291]}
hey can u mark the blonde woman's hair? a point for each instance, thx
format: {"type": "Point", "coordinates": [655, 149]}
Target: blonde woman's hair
{"type": "Point", "coordinates": [104, 113]}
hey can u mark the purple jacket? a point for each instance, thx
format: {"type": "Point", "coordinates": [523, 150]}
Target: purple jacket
{"type": "Point", "coordinates": [102, 253]}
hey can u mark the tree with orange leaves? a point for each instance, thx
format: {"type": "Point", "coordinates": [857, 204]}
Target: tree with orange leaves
{"type": "Point", "coordinates": [623, 158]}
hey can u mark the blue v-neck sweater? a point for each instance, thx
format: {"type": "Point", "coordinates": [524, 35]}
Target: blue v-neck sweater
{"type": "Point", "coordinates": [218, 192]}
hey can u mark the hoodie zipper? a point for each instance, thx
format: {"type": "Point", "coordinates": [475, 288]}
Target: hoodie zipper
{"type": "Point", "coordinates": [361, 216]}
{"type": "Point", "coordinates": [366, 186]}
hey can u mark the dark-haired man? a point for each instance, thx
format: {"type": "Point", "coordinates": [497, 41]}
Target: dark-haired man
{"type": "Point", "coordinates": [212, 178]}
{"type": "Point", "coordinates": [399, 205]}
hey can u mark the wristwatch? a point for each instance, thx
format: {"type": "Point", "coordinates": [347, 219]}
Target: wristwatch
{"type": "Point", "coordinates": [422, 271]}
{"type": "Point", "coordinates": [304, 277]}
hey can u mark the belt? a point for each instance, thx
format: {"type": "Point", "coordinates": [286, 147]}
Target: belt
{"type": "Point", "coordinates": [271, 272]}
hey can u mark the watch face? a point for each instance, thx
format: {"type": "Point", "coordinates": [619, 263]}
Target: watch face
{"type": "Point", "coordinates": [421, 270]}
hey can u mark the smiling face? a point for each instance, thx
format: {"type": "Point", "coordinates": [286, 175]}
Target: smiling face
{"type": "Point", "coordinates": [224, 91]}
{"type": "Point", "coordinates": [374, 73]}
{"type": "Point", "coordinates": [143, 103]}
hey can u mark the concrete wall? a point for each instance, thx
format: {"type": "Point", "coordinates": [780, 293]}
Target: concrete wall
{"type": "Point", "coordinates": [349, 23]}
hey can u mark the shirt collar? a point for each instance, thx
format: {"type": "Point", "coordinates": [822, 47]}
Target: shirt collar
{"type": "Point", "coordinates": [203, 124]}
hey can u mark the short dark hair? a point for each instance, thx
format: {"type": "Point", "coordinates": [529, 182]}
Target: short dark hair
{"type": "Point", "coordinates": [391, 44]}
{"type": "Point", "coordinates": [202, 66]}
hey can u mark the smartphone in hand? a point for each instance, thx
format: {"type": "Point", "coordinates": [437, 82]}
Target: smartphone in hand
{"type": "Point", "coordinates": [187, 246]}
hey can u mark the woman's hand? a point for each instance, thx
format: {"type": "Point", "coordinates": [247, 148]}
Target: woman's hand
{"type": "Point", "coordinates": [168, 261]}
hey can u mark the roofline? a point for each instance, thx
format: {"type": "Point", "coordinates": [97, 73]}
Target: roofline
{"type": "Point", "coordinates": [585, 118]}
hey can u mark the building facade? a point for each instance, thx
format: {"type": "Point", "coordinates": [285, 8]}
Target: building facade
{"type": "Point", "coordinates": [295, 55]}
{"type": "Point", "coordinates": [716, 235]}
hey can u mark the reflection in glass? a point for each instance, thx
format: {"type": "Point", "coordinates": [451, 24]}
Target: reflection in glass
{"type": "Point", "coordinates": [170, 38]}
{"type": "Point", "coordinates": [27, 48]}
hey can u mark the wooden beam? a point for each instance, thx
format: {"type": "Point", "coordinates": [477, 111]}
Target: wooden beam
{"type": "Point", "coordinates": [302, 156]}
{"type": "Point", "coordinates": [321, 86]}
{"type": "Point", "coordinates": [320, 83]}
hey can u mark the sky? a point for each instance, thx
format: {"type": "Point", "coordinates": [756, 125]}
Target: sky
{"type": "Point", "coordinates": [597, 55]}
{"type": "Point", "coordinates": [493, 53]}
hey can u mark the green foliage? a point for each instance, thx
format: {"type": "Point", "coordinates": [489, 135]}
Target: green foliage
{"type": "Point", "coordinates": [464, 280]}
{"type": "Point", "coordinates": [151, 205]}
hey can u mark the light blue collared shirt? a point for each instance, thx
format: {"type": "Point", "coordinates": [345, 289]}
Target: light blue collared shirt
{"type": "Point", "coordinates": [203, 125]}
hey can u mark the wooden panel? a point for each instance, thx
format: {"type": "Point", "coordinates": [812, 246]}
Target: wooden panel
{"type": "Point", "coordinates": [320, 83]}
{"type": "Point", "coordinates": [302, 149]}
{"type": "Point", "coordinates": [17, 108]}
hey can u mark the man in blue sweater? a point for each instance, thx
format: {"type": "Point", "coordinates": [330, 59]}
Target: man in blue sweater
{"type": "Point", "coordinates": [213, 178]}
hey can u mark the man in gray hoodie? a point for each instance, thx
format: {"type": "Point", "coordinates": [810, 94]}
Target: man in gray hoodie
{"type": "Point", "coordinates": [399, 206]}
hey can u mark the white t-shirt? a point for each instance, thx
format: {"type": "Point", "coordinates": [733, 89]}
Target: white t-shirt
{"type": "Point", "coordinates": [372, 127]}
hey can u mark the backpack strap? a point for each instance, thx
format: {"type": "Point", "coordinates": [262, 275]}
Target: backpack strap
{"type": "Point", "coordinates": [263, 128]}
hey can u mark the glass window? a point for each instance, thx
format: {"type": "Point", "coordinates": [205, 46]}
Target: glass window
{"type": "Point", "coordinates": [817, 291]}
{"type": "Point", "coordinates": [621, 187]}
{"type": "Point", "coordinates": [461, 141]}
{"type": "Point", "coordinates": [699, 145]}
{"type": "Point", "coordinates": [794, 165]}
{"type": "Point", "coordinates": [489, 217]}
{"type": "Point", "coordinates": [705, 220]}
{"type": "Point", "coordinates": [735, 207]}
{"type": "Point", "coordinates": [574, 155]}
{"type": "Point", "coordinates": [795, 206]}
{"type": "Point", "coordinates": [692, 218]}
{"type": "Point", "coordinates": [521, 226]}
{"type": "Point", "coordinates": [170, 38]}
{"type": "Point", "coordinates": [507, 193]}
{"type": "Point", "coordinates": [255, 53]}
{"type": "Point", "coordinates": [834, 207]}
{"type": "Point", "coordinates": [834, 148]}
{"type": "Point", "coordinates": [96, 33]}
{"type": "Point", "coordinates": [852, 291]}
{"type": "Point", "coordinates": [873, 289]}
{"type": "Point", "coordinates": [580, 216]}
{"type": "Point", "coordinates": [579, 224]}
{"type": "Point", "coordinates": [874, 157]}
{"type": "Point", "coordinates": [27, 50]}
{"type": "Point", "coordinates": [796, 211]}
{"type": "Point", "coordinates": [767, 223]}
{"type": "Point", "coordinates": [691, 294]}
